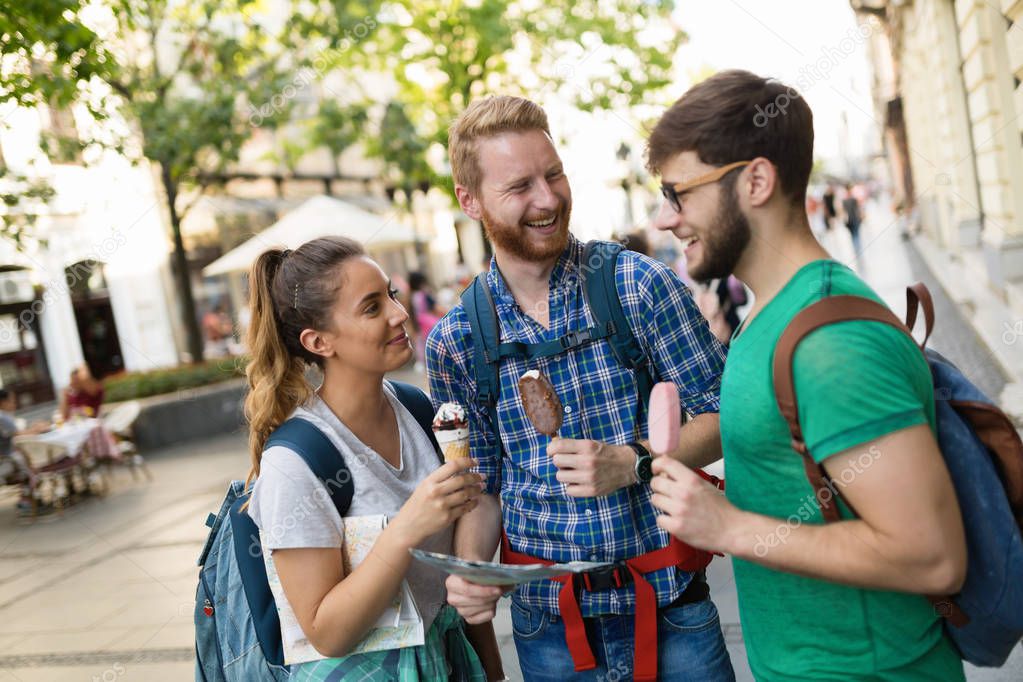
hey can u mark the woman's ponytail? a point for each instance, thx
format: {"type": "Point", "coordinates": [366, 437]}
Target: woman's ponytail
{"type": "Point", "coordinates": [277, 382]}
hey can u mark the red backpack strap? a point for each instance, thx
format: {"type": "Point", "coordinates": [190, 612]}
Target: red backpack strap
{"type": "Point", "coordinates": [824, 312]}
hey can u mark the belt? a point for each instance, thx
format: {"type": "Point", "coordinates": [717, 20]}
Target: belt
{"type": "Point", "coordinates": [629, 571]}
{"type": "Point", "coordinates": [696, 591]}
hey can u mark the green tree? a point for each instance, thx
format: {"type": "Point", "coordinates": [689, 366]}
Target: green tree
{"type": "Point", "coordinates": [599, 54]}
{"type": "Point", "coordinates": [194, 79]}
{"type": "Point", "coordinates": [402, 149]}
{"type": "Point", "coordinates": [337, 127]}
{"type": "Point", "coordinates": [190, 79]}
{"type": "Point", "coordinates": [47, 53]}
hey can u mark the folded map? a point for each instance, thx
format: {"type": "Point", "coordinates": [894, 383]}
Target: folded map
{"type": "Point", "coordinates": [490, 573]}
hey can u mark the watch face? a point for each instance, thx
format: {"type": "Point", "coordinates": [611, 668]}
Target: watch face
{"type": "Point", "coordinates": [644, 469]}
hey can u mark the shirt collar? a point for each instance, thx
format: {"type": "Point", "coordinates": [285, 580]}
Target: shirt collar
{"type": "Point", "coordinates": [565, 272]}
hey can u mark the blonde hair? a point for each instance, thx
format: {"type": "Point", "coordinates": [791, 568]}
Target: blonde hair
{"type": "Point", "coordinates": [486, 118]}
{"type": "Point", "coordinates": [290, 291]}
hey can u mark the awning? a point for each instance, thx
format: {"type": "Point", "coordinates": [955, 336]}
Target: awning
{"type": "Point", "coordinates": [318, 217]}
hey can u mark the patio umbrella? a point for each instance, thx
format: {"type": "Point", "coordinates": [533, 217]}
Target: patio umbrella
{"type": "Point", "coordinates": [320, 216]}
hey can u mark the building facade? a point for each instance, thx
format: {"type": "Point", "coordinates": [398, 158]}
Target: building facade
{"type": "Point", "coordinates": [94, 284]}
{"type": "Point", "coordinates": [948, 81]}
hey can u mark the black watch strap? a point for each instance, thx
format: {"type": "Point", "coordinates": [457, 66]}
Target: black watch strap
{"type": "Point", "coordinates": [644, 463]}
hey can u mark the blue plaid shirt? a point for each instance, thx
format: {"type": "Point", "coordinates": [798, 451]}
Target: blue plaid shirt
{"type": "Point", "coordinates": [599, 399]}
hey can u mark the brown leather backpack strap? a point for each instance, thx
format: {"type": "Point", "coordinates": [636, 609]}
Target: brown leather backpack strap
{"type": "Point", "coordinates": [917, 295]}
{"type": "Point", "coordinates": [842, 309]}
{"type": "Point", "coordinates": [945, 606]}
{"type": "Point", "coordinates": [999, 435]}
{"type": "Point", "coordinates": [824, 312]}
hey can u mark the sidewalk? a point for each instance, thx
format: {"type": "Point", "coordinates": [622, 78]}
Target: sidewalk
{"type": "Point", "coordinates": [106, 592]}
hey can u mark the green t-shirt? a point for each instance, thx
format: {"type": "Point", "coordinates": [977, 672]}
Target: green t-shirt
{"type": "Point", "coordinates": [855, 382]}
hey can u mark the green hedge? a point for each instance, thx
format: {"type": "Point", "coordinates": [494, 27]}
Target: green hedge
{"type": "Point", "coordinates": [131, 385]}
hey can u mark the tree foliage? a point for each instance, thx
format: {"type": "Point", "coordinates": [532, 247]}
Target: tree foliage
{"type": "Point", "coordinates": [179, 82]}
{"type": "Point", "coordinates": [597, 54]}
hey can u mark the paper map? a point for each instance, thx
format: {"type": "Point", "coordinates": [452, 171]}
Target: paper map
{"type": "Point", "coordinates": [489, 573]}
{"type": "Point", "coordinates": [399, 626]}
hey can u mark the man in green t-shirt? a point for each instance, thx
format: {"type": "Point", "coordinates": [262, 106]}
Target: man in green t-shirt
{"type": "Point", "coordinates": [817, 602]}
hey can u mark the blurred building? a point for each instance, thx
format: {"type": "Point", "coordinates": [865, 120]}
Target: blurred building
{"type": "Point", "coordinates": [95, 286]}
{"type": "Point", "coordinates": [947, 85]}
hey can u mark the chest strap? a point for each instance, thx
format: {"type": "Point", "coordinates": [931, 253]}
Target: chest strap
{"type": "Point", "coordinates": [644, 662]}
{"type": "Point", "coordinates": [546, 349]}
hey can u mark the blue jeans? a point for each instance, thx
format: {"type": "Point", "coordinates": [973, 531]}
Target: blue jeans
{"type": "Point", "coordinates": [690, 645]}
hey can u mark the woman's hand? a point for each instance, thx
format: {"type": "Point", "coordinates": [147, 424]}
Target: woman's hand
{"type": "Point", "coordinates": [441, 498]}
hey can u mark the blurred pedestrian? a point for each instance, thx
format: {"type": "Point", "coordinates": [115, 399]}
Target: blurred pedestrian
{"type": "Point", "coordinates": [14, 468]}
{"type": "Point", "coordinates": [853, 216]}
{"type": "Point", "coordinates": [218, 329]}
{"type": "Point", "coordinates": [636, 241]}
{"type": "Point", "coordinates": [830, 211]}
{"type": "Point", "coordinates": [426, 313]}
{"type": "Point", "coordinates": [83, 396]}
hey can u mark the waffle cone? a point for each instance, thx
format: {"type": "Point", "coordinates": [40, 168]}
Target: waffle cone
{"type": "Point", "coordinates": [458, 449]}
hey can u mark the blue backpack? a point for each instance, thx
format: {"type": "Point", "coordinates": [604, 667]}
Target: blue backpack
{"type": "Point", "coordinates": [984, 455]}
{"type": "Point", "coordinates": [237, 629]}
{"type": "Point", "coordinates": [610, 323]}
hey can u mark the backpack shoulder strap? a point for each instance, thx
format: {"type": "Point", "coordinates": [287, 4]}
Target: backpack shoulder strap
{"type": "Point", "coordinates": [255, 586]}
{"type": "Point", "coordinates": [320, 455]}
{"type": "Point", "coordinates": [822, 313]}
{"type": "Point", "coordinates": [324, 460]}
{"type": "Point", "coordinates": [600, 259]}
{"type": "Point", "coordinates": [485, 332]}
{"type": "Point", "coordinates": [416, 402]}
{"type": "Point", "coordinates": [917, 296]}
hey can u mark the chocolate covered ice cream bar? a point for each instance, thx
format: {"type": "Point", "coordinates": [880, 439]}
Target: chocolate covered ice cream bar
{"type": "Point", "coordinates": [540, 402]}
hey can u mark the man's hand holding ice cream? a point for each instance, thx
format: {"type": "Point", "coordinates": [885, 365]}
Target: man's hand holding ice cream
{"type": "Point", "coordinates": [587, 468]}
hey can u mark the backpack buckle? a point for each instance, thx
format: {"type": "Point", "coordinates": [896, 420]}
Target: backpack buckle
{"type": "Point", "coordinates": [486, 398]}
{"type": "Point", "coordinates": [607, 578]}
{"type": "Point", "coordinates": [573, 339]}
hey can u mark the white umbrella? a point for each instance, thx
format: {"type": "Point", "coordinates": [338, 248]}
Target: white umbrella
{"type": "Point", "coordinates": [318, 217]}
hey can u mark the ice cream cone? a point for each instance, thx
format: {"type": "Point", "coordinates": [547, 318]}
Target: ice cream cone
{"type": "Point", "coordinates": [454, 443]}
{"type": "Point", "coordinates": [458, 449]}
{"type": "Point", "coordinates": [452, 431]}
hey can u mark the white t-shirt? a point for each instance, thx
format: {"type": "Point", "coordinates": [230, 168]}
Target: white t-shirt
{"type": "Point", "coordinates": [292, 508]}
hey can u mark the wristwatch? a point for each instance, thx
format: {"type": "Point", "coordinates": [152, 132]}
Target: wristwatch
{"type": "Point", "coordinates": [644, 462]}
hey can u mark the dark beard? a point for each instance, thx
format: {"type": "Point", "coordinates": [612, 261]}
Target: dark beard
{"type": "Point", "coordinates": [508, 238]}
{"type": "Point", "coordinates": [725, 241]}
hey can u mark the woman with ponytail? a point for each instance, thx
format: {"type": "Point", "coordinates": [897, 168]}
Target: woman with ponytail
{"type": "Point", "coordinates": [330, 305]}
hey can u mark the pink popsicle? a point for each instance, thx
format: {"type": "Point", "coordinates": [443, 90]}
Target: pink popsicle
{"type": "Point", "coordinates": [664, 418]}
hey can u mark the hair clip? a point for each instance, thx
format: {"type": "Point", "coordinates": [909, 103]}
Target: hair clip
{"type": "Point", "coordinates": [295, 303]}
{"type": "Point", "coordinates": [285, 253]}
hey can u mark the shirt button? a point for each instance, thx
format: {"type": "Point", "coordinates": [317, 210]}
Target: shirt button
{"type": "Point", "coordinates": [593, 557]}
{"type": "Point", "coordinates": [568, 409]}
{"type": "Point", "coordinates": [589, 511]}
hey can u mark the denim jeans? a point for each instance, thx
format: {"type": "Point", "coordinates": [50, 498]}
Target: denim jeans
{"type": "Point", "coordinates": [690, 645]}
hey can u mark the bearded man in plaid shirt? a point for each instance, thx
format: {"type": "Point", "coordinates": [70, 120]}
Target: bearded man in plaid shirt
{"type": "Point", "coordinates": [580, 496]}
